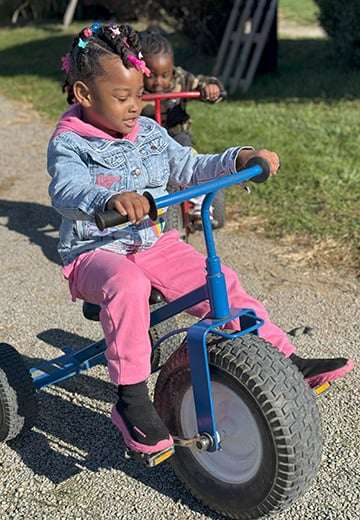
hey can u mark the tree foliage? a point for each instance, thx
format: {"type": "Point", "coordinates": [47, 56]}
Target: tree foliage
{"type": "Point", "coordinates": [204, 21]}
{"type": "Point", "coordinates": [341, 21]}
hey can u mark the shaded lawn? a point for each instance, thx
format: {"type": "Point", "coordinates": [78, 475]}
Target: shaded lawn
{"type": "Point", "coordinates": [308, 111]}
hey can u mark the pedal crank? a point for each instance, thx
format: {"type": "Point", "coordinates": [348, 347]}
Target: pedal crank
{"type": "Point", "coordinates": [201, 442]}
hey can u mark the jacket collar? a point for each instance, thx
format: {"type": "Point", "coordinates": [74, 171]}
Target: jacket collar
{"type": "Point", "coordinates": [72, 121]}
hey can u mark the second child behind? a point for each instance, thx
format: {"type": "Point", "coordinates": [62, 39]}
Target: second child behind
{"type": "Point", "coordinates": [166, 77]}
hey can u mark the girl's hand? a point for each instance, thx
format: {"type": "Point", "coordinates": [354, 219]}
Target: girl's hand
{"type": "Point", "coordinates": [212, 92]}
{"type": "Point", "coordinates": [271, 157]}
{"type": "Point", "coordinates": [130, 203]}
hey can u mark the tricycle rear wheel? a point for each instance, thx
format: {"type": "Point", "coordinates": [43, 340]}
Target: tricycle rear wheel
{"type": "Point", "coordinates": [175, 220]}
{"type": "Point", "coordinates": [18, 404]}
{"type": "Point", "coordinates": [268, 421]}
{"type": "Point", "coordinates": [219, 210]}
{"type": "Point", "coordinates": [161, 353]}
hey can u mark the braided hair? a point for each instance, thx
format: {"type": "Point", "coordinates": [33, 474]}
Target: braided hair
{"type": "Point", "coordinates": [83, 60]}
{"type": "Point", "coordinates": [153, 42]}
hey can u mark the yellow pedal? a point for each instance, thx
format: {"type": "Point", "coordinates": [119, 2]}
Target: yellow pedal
{"type": "Point", "coordinates": [160, 457]}
{"type": "Point", "coordinates": [318, 390]}
{"type": "Point", "coordinates": [150, 460]}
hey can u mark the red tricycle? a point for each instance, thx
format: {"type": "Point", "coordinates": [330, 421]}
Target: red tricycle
{"type": "Point", "coordinates": [182, 217]}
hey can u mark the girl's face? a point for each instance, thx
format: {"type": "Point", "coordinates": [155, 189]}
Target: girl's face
{"type": "Point", "coordinates": [162, 71]}
{"type": "Point", "coordinates": [112, 100]}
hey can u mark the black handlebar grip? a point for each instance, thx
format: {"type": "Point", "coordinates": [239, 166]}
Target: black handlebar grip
{"type": "Point", "coordinates": [259, 161]}
{"type": "Point", "coordinates": [112, 218]}
{"type": "Point", "coordinates": [109, 218]}
{"type": "Point", "coordinates": [153, 212]}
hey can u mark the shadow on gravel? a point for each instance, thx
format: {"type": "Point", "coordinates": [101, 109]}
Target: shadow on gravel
{"type": "Point", "coordinates": [35, 221]}
{"type": "Point", "coordinates": [69, 437]}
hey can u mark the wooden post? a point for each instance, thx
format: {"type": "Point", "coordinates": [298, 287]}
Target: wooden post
{"type": "Point", "coordinates": [69, 13]}
{"type": "Point", "coordinates": [251, 27]}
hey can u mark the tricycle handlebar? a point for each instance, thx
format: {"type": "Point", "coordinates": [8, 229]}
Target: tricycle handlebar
{"type": "Point", "coordinates": [256, 170]}
{"type": "Point", "coordinates": [171, 95]}
{"type": "Point", "coordinates": [162, 96]}
{"type": "Point", "coordinates": [193, 94]}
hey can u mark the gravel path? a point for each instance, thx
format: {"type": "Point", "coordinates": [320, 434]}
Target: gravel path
{"type": "Point", "coordinates": [71, 465]}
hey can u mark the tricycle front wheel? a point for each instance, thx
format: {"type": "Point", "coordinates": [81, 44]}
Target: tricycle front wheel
{"type": "Point", "coordinates": [268, 422]}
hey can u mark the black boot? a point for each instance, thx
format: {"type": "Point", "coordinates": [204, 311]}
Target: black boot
{"type": "Point", "coordinates": [138, 420]}
{"type": "Point", "coordinates": [319, 371]}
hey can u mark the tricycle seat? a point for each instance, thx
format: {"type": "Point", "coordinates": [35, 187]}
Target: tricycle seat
{"type": "Point", "coordinates": [91, 311]}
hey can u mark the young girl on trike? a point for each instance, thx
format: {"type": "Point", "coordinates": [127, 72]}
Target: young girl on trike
{"type": "Point", "coordinates": [103, 156]}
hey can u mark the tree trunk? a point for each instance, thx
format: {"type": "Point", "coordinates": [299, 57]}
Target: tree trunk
{"type": "Point", "coordinates": [69, 13]}
{"type": "Point", "coordinates": [17, 12]}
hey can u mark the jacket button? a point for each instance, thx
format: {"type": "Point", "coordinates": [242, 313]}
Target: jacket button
{"type": "Point", "coordinates": [136, 172]}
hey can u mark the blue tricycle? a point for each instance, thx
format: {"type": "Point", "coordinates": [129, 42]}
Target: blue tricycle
{"type": "Point", "coordinates": [246, 425]}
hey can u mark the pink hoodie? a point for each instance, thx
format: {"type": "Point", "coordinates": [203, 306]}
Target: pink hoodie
{"type": "Point", "coordinates": [72, 121]}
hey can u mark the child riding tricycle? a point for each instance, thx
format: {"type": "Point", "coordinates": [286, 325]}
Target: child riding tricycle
{"type": "Point", "coordinates": [234, 405]}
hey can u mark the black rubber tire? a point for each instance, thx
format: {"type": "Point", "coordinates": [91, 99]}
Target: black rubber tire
{"type": "Point", "coordinates": [18, 403]}
{"type": "Point", "coordinates": [174, 215]}
{"type": "Point", "coordinates": [219, 209]}
{"type": "Point", "coordinates": [286, 414]}
{"type": "Point", "coordinates": [161, 354]}
{"type": "Point", "coordinates": [175, 220]}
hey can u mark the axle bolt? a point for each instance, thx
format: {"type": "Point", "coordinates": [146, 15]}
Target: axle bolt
{"type": "Point", "coordinates": [204, 442]}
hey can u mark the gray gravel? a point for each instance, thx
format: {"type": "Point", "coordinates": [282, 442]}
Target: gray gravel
{"type": "Point", "coordinates": [71, 466]}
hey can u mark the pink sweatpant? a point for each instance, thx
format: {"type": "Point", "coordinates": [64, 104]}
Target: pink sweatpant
{"type": "Point", "coordinates": [121, 285]}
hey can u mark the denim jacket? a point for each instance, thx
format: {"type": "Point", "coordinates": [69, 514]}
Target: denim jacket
{"type": "Point", "coordinates": [87, 171]}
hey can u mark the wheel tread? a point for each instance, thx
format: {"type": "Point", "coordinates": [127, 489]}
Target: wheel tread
{"type": "Point", "coordinates": [286, 402]}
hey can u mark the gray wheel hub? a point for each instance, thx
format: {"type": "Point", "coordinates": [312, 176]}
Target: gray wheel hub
{"type": "Point", "coordinates": [240, 457]}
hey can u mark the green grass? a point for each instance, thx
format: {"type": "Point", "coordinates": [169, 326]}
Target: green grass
{"type": "Point", "coordinates": [308, 112]}
{"type": "Point", "coordinates": [317, 190]}
{"type": "Point", "coordinates": [302, 12]}
{"type": "Point", "coordinates": [30, 66]}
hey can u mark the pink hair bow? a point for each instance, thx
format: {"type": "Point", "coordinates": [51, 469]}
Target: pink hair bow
{"type": "Point", "coordinates": [87, 32]}
{"type": "Point", "coordinates": [139, 65]}
{"type": "Point", "coordinates": [66, 63]}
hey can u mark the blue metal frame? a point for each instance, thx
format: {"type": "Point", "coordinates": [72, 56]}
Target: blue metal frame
{"type": "Point", "coordinates": [73, 362]}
